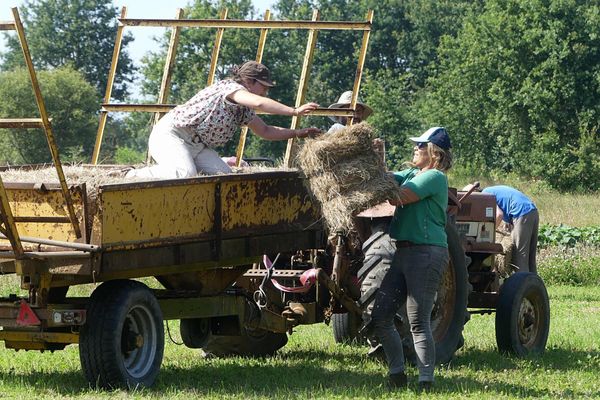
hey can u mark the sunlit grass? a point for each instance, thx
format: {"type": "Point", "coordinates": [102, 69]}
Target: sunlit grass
{"type": "Point", "coordinates": [313, 366]}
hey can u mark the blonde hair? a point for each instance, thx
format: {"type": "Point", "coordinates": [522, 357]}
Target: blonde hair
{"type": "Point", "coordinates": [439, 158]}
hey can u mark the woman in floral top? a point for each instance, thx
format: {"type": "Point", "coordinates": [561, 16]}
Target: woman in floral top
{"type": "Point", "coordinates": [182, 142]}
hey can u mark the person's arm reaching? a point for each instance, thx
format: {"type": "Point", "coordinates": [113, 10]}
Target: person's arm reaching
{"type": "Point", "coordinates": [270, 132]}
{"type": "Point", "coordinates": [264, 104]}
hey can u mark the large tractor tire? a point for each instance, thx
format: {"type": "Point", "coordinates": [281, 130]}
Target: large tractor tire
{"type": "Point", "coordinates": [378, 251]}
{"type": "Point", "coordinates": [450, 308]}
{"type": "Point", "coordinates": [121, 344]}
{"type": "Point", "coordinates": [522, 315]}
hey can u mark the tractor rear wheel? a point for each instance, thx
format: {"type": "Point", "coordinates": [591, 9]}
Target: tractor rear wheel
{"type": "Point", "coordinates": [449, 312]}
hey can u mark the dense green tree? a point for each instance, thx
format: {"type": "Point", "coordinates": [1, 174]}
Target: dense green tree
{"type": "Point", "coordinates": [78, 33]}
{"type": "Point", "coordinates": [71, 102]}
{"type": "Point", "coordinates": [519, 89]}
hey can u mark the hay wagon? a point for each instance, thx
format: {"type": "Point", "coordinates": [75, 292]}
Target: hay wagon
{"type": "Point", "coordinates": [200, 241]}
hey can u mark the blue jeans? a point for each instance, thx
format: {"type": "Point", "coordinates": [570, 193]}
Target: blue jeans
{"type": "Point", "coordinates": [414, 278]}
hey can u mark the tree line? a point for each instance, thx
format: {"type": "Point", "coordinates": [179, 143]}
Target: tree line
{"type": "Point", "coordinates": [516, 82]}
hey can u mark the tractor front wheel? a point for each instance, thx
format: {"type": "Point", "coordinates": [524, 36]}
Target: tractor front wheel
{"type": "Point", "coordinates": [522, 315]}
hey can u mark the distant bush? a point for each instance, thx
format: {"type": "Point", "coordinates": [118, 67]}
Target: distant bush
{"type": "Point", "coordinates": [578, 266]}
{"type": "Point", "coordinates": [567, 236]}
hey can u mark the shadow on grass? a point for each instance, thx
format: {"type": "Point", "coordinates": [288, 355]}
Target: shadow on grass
{"type": "Point", "coordinates": [321, 373]}
{"type": "Point", "coordinates": [559, 359]}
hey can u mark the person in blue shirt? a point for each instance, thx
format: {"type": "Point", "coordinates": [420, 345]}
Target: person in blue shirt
{"type": "Point", "coordinates": [520, 213]}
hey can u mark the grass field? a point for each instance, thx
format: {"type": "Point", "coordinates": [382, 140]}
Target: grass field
{"type": "Point", "coordinates": [313, 366]}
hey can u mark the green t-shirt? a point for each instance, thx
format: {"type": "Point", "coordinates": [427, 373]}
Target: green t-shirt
{"type": "Point", "coordinates": [422, 222]}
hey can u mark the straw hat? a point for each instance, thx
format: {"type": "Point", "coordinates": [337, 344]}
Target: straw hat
{"type": "Point", "coordinates": [344, 102]}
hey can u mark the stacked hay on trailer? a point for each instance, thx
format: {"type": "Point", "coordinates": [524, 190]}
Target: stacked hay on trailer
{"type": "Point", "coordinates": [93, 176]}
{"type": "Point", "coordinates": [346, 174]}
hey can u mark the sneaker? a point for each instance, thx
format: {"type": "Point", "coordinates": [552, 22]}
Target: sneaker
{"type": "Point", "coordinates": [397, 380]}
{"type": "Point", "coordinates": [425, 386]}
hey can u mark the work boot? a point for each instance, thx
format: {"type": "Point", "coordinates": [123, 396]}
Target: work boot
{"type": "Point", "coordinates": [398, 380]}
{"type": "Point", "coordinates": [425, 386]}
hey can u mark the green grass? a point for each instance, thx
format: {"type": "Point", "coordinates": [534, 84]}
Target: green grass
{"type": "Point", "coordinates": [313, 366]}
{"type": "Point", "coordinates": [577, 266]}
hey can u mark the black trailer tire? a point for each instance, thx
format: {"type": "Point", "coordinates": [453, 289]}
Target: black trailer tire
{"type": "Point", "coordinates": [450, 309]}
{"type": "Point", "coordinates": [195, 332]}
{"type": "Point", "coordinates": [522, 315]}
{"type": "Point", "coordinates": [121, 344]}
{"type": "Point", "coordinates": [250, 343]}
{"type": "Point", "coordinates": [345, 328]}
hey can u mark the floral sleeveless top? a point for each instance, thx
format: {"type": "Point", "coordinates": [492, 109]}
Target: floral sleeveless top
{"type": "Point", "coordinates": [210, 118]}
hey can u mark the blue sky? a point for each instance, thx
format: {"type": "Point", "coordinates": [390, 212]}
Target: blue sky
{"type": "Point", "coordinates": [135, 9]}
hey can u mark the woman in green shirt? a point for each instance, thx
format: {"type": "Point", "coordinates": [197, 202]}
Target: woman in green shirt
{"type": "Point", "coordinates": [418, 229]}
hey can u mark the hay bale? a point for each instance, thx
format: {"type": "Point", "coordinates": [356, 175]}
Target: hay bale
{"type": "Point", "coordinates": [503, 262]}
{"type": "Point", "coordinates": [345, 174]}
{"type": "Point", "coordinates": [93, 176]}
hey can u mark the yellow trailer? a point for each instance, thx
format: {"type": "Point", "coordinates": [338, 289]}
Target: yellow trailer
{"type": "Point", "coordinates": [202, 239]}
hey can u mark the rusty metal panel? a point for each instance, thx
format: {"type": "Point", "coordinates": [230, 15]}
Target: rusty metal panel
{"type": "Point", "coordinates": [31, 204]}
{"type": "Point", "coordinates": [477, 207]}
{"type": "Point", "coordinates": [154, 212]}
{"type": "Point", "coordinates": [206, 283]}
{"type": "Point", "coordinates": [266, 205]}
{"type": "Point", "coordinates": [202, 307]}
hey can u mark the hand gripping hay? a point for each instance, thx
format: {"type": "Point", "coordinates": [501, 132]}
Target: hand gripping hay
{"type": "Point", "coordinates": [345, 174]}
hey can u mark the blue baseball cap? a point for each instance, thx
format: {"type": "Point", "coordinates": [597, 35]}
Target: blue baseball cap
{"type": "Point", "coordinates": [436, 135]}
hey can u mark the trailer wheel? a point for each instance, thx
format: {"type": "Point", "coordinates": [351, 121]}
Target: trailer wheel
{"type": "Point", "coordinates": [345, 328]}
{"type": "Point", "coordinates": [450, 308]}
{"type": "Point", "coordinates": [522, 315]}
{"type": "Point", "coordinates": [250, 343]}
{"type": "Point", "coordinates": [121, 345]}
{"type": "Point", "coordinates": [195, 332]}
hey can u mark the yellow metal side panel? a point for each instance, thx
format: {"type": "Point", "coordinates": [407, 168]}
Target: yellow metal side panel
{"type": "Point", "coordinates": [41, 203]}
{"type": "Point", "coordinates": [263, 202]}
{"type": "Point", "coordinates": [154, 213]}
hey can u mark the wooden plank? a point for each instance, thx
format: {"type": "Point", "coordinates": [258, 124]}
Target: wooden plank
{"type": "Point", "coordinates": [311, 42]}
{"type": "Point", "coordinates": [46, 122]}
{"type": "Point", "coordinates": [165, 84]}
{"type": "Point", "coordinates": [241, 24]}
{"type": "Point", "coordinates": [239, 152]}
{"type": "Point", "coordinates": [109, 86]}
{"type": "Point", "coordinates": [359, 68]}
{"type": "Point", "coordinates": [214, 57]}
{"type": "Point", "coordinates": [7, 26]}
{"type": "Point", "coordinates": [21, 123]}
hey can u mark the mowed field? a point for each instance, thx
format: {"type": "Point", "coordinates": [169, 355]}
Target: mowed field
{"type": "Point", "coordinates": [312, 365]}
